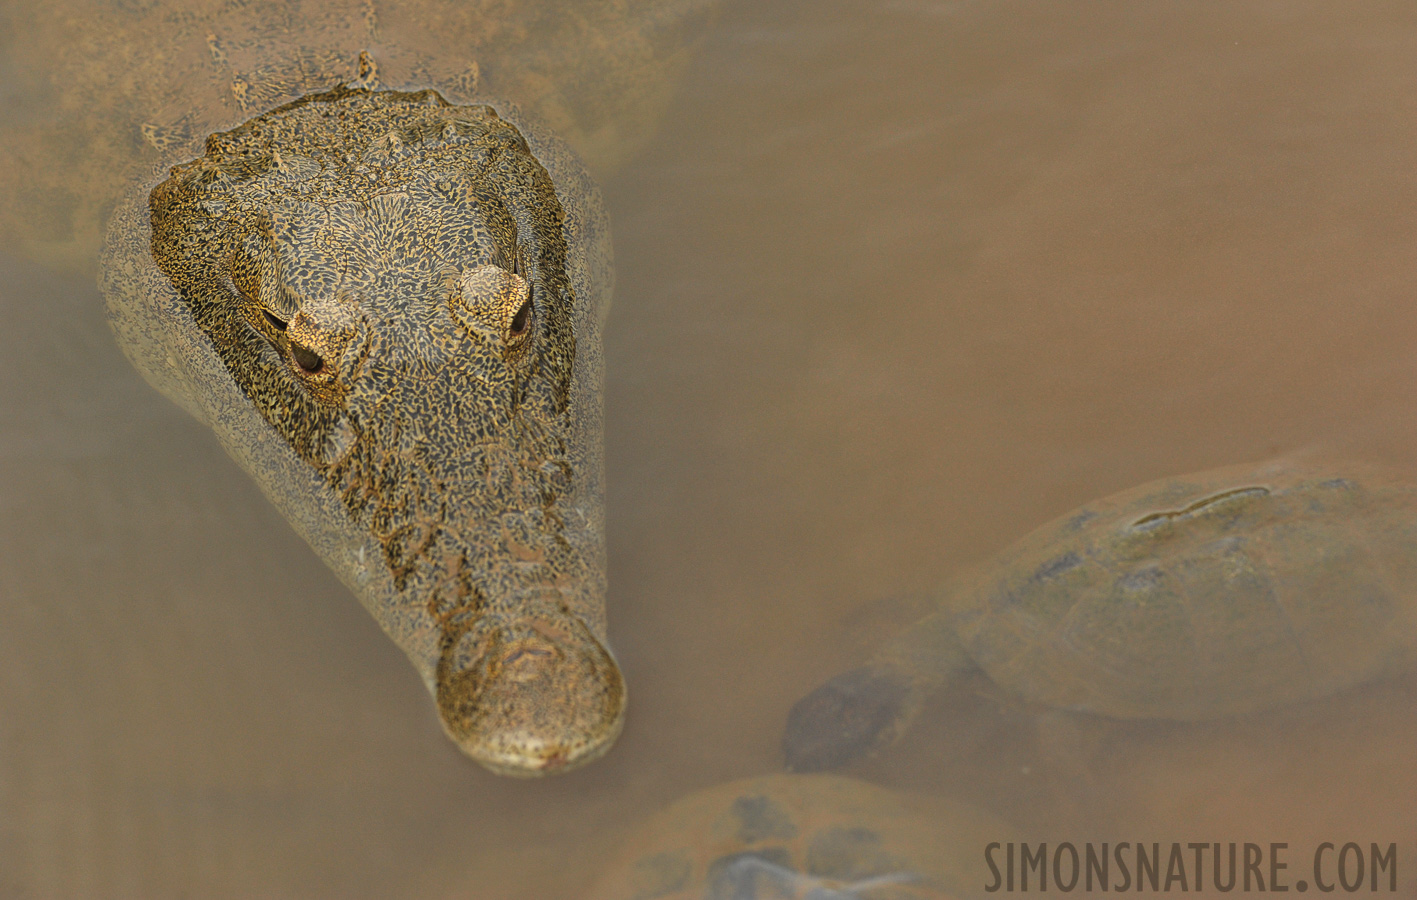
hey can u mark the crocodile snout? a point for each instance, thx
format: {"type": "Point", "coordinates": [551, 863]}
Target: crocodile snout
{"type": "Point", "coordinates": [530, 696]}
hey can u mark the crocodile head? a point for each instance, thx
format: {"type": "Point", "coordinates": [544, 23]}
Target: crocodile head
{"type": "Point", "coordinates": [384, 276]}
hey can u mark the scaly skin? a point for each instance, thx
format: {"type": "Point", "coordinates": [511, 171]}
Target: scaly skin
{"type": "Point", "coordinates": [388, 307]}
{"type": "Point", "coordinates": [102, 92]}
{"type": "Point", "coordinates": [442, 456]}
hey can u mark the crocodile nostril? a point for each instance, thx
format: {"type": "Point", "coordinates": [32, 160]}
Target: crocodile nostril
{"type": "Point", "coordinates": [308, 360]}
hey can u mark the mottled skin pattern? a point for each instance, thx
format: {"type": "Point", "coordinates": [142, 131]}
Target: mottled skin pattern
{"type": "Point", "coordinates": [1217, 594]}
{"type": "Point", "coordinates": [389, 310]}
{"type": "Point", "coordinates": [387, 306]}
{"type": "Point", "coordinates": [100, 92]}
{"type": "Point", "coordinates": [803, 837]}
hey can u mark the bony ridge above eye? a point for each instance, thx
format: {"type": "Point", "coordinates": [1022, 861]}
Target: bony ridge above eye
{"type": "Point", "coordinates": [495, 302]}
{"type": "Point", "coordinates": [323, 344]}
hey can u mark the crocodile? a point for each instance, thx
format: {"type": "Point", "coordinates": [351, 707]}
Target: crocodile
{"type": "Point", "coordinates": [400, 344]}
{"type": "Point", "coordinates": [384, 291]}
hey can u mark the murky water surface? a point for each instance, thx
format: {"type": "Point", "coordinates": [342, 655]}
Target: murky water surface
{"type": "Point", "coordinates": [898, 282]}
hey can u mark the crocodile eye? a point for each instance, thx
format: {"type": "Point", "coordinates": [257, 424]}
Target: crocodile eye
{"type": "Point", "coordinates": [308, 360]}
{"type": "Point", "coordinates": [494, 303]}
{"type": "Point", "coordinates": [521, 320]}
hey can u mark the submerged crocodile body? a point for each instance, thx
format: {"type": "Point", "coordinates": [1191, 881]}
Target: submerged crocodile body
{"type": "Point", "coordinates": [388, 307]}
{"type": "Point", "coordinates": [387, 304]}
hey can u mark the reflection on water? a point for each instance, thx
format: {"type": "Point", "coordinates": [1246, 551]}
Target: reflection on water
{"type": "Point", "coordinates": [896, 285]}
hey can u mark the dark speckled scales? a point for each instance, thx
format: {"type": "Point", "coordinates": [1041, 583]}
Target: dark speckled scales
{"type": "Point", "coordinates": [389, 314]}
{"type": "Point", "coordinates": [111, 89]}
{"type": "Point", "coordinates": [449, 471]}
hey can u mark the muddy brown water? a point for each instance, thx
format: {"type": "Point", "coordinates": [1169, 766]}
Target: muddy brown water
{"type": "Point", "coordinates": [897, 282]}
